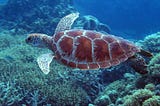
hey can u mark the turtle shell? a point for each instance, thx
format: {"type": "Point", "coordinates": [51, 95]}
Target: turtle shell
{"type": "Point", "coordinates": [85, 49]}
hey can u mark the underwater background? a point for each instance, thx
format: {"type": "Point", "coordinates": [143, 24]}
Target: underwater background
{"type": "Point", "coordinates": [133, 19]}
{"type": "Point", "coordinates": [23, 84]}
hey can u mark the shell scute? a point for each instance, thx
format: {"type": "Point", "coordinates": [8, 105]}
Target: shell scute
{"type": "Point", "coordinates": [74, 33]}
{"type": "Point", "coordinates": [101, 51]}
{"type": "Point", "coordinates": [116, 50]}
{"type": "Point", "coordinates": [58, 36]}
{"type": "Point", "coordinates": [93, 65]}
{"type": "Point", "coordinates": [84, 49]}
{"type": "Point", "coordinates": [92, 35]}
{"type": "Point", "coordinates": [105, 64]}
{"type": "Point", "coordinates": [82, 66]}
{"type": "Point", "coordinates": [66, 45]}
{"type": "Point", "coordinates": [64, 61]}
{"type": "Point", "coordinates": [109, 38]}
{"type": "Point", "coordinates": [114, 62]}
{"type": "Point", "coordinates": [72, 64]}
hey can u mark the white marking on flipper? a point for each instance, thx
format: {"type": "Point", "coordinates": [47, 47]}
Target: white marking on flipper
{"type": "Point", "coordinates": [44, 61]}
{"type": "Point", "coordinates": [66, 22]}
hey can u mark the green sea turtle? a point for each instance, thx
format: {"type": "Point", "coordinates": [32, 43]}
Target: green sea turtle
{"type": "Point", "coordinates": [84, 49]}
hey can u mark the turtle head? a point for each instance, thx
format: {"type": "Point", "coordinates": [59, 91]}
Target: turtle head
{"type": "Point", "coordinates": [37, 40]}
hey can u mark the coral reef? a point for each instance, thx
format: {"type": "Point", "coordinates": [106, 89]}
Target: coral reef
{"type": "Point", "coordinates": [138, 97]}
{"type": "Point", "coordinates": [9, 94]}
{"type": "Point", "coordinates": [89, 80]}
{"type": "Point", "coordinates": [23, 16]}
{"type": "Point", "coordinates": [5, 40]}
{"type": "Point", "coordinates": [125, 93]}
{"type": "Point", "coordinates": [154, 73]}
{"type": "Point", "coordinates": [142, 97]}
{"type": "Point", "coordinates": [154, 101]}
{"type": "Point", "coordinates": [114, 92]}
{"type": "Point", "coordinates": [151, 43]}
{"type": "Point", "coordinates": [66, 94]}
{"type": "Point", "coordinates": [154, 64]}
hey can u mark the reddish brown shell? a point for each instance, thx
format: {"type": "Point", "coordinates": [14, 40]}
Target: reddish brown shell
{"type": "Point", "coordinates": [86, 49]}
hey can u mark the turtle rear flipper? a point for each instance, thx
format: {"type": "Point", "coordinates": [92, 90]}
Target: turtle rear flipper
{"type": "Point", "coordinates": [145, 53]}
{"type": "Point", "coordinates": [44, 62]}
{"type": "Point", "coordinates": [137, 62]}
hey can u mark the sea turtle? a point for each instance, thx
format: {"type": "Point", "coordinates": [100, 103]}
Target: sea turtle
{"type": "Point", "coordinates": [83, 49]}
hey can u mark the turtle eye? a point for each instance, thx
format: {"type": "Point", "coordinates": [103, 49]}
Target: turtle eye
{"type": "Point", "coordinates": [29, 39]}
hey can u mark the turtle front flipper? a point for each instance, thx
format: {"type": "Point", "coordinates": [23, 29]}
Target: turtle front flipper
{"type": "Point", "coordinates": [66, 22]}
{"type": "Point", "coordinates": [137, 62]}
{"type": "Point", "coordinates": [44, 62]}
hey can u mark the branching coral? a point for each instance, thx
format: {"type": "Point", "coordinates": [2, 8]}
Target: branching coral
{"type": "Point", "coordinates": [138, 97]}
{"type": "Point", "coordinates": [151, 43]}
{"type": "Point", "coordinates": [154, 101]}
{"type": "Point", "coordinates": [89, 80]}
{"type": "Point", "coordinates": [9, 94]}
{"type": "Point", "coordinates": [142, 97]}
{"type": "Point", "coordinates": [113, 93]}
{"type": "Point", "coordinates": [64, 93]}
{"type": "Point", "coordinates": [154, 64]}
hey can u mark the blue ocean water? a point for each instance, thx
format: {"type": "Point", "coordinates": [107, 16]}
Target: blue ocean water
{"type": "Point", "coordinates": [135, 18]}
{"type": "Point", "coordinates": [3, 2]}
